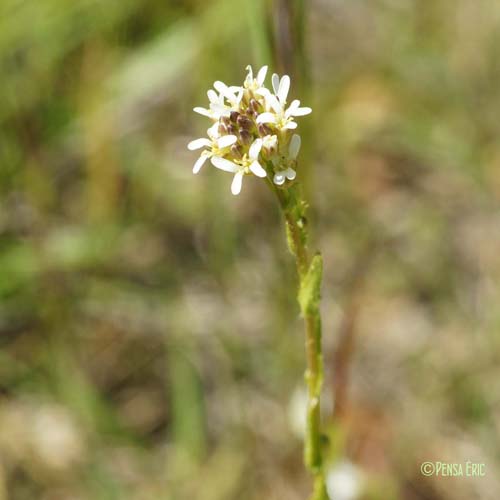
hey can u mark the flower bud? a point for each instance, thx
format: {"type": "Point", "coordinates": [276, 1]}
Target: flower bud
{"type": "Point", "coordinates": [222, 129]}
{"type": "Point", "coordinates": [234, 116]}
{"type": "Point", "coordinates": [245, 98]}
{"type": "Point", "coordinates": [270, 144]}
{"type": "Point", "coordinates": [236, 151]}
{"type": "Point", "coordinates": [245, 122]}
{"type": "Point", "coordinates": [231, 129]}
{"type": "Point", "coordinates": [245, 136]}
{"type": "Point", "coordinates": [264, 129]}
{"type": "Point", "coordinates": [254, 105]}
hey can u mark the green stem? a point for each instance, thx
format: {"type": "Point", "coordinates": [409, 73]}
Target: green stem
{"type": "Point", "coordinates": [310, 274]}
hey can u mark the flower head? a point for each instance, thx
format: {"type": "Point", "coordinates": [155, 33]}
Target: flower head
{"type": "Point", "coordinates": [280, 116]}
{"type": "Point", "coordinates": [252, 130]}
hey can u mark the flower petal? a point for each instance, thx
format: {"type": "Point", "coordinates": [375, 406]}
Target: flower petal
{"type": "Point", "coordinates": [294, 146]}
{"type": "Point", "coordinates": [291, 109]}
{"type": "Point", "coordinates": [219, 109]}
{"type": "Point", "coordinates": [226, 140]}
{"type": "Point", "coordinates": [290, 126]}
{"type": "Point", "coordinates": [279, 178]}
{"type": "Point", "coordinates": [223, 164]}
{"type": "Point", "coordinates": [212, 96]}
{"type": "Point", "coordinates": [213, 131]}
{"type": "Point", "coordinates": [266, 118]}
{"type": "Point", "coordinates": [263, 92]}
{"type": "Point", "coordinates": [249, 78]}
{"type": "Point", "coordinates": [275, 80]}
{"type": "Point", "coordinates": [256, 169]}
{"type": "Point", "coordinates": [238, 98]}
{"type": "Point", "coordinates": [203, 111]}
{"type": "Point", "coordinates": [199, 163]}
{"type": "Point", "coordinates": [272, 101]}
{"type": "Point", "coordinates": [301, 111]}
{"type": "Point", "coordinates": [284, 88]}
{"type": "Point", "coordinates": [199, 143]}
{"type": "Point", "coordinates": [220, 86]}
{"type": "Point", "coordinates": [225, 91]}
{"type": "Point", "coordinates": [290, 173]}
{"type": "Point", "coordinates": [269, 141]}
{"type": "Point", "coordinates": [261, 75]}
{"type": "Point", "coordinates": [236, 184]}
{"type": "Point", "coordinates": [255, 148]}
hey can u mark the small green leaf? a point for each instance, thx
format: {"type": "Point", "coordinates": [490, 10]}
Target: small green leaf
{"type": "Point", "coordinates": [309, 293]}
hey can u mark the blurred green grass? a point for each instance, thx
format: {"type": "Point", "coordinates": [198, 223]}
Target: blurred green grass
{"type": "Point", "coordinates": [150, 340]}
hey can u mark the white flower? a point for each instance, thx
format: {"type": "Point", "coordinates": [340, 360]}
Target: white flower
{"type": "Point", "coordinates": [218, 107]}
{"type": "Point", "coordinates": [280, 177]}
{"type": "Point", "coordinates": [249, 164]}
{"type": "Point", "coordinates": [280, 116]}
{"type": "Point", "coordinates": [218, 146]}
{"type": "Point", "coordinates": [289, 173]}
{"type": "Point", "coordinates": [232, 94]}
{"type": "Point", "coordinates": [276, 111]}
{"type": "Point", "coordinates": [217, 100]}
{"type": "Point", "coordinates": [252, 83]}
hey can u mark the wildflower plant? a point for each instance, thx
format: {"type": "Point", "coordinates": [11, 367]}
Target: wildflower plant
{"type": "Point", "coordinates": [253, 132]}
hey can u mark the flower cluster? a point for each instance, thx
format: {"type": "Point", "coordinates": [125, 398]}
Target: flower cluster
{"type": "Point", "coordinates": [252, 130]}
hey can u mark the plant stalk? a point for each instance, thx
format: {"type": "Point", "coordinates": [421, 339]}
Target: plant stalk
{"type": "Point", "coordinates": [310, 275]}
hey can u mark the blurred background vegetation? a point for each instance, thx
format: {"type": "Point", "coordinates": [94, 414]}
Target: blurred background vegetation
{"type": "Point", "coordinates": [150, 343]}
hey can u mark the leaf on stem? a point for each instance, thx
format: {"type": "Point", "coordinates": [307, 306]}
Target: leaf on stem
{"type": "Point", "coordinates": [309, 292]}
